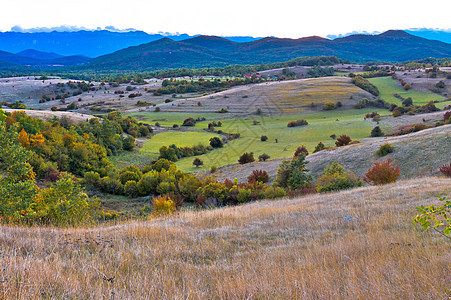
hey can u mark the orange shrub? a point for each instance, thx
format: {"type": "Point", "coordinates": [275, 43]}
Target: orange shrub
{"type": "Point", "coordinates": [383, 173]}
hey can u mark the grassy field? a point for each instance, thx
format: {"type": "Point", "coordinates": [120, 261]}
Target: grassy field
{"type": "Point", "coordinates": [321, 126]}
{"type": "Point", "coordinates": [150, 149]}
{"type": "Point", "coordinates": [300, 248]}
{"type": "Point", "coordinates": [387, 87]}
{"type": "Point", "coordinates": [169, 119]}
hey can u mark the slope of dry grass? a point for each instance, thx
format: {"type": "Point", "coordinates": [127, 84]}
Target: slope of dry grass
{"type": "Point", "coordinates": [287, 249]}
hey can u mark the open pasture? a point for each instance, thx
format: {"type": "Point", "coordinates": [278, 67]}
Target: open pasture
{"type": "Point", "coordinates": [388, 87]}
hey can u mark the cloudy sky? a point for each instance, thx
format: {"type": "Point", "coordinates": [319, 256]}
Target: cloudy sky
{"type": "Point", "coordinates": [232, 17]}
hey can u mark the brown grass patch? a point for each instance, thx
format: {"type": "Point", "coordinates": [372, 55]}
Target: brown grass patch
{"type": "Point", "coordinates": [287, 249]}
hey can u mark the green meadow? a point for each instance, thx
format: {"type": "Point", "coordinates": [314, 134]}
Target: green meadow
{"type": "Point", "coordinates": [168, 119]}
{"type": "Point", "coordinates": [321, 127]}
{"type": "Point", "coordinates": [387, 87]}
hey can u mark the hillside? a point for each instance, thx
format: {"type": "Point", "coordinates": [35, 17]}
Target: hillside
{"type": "Point", "coordinates": [209, 51]}
{"type": "Point", "coordinates": [355, 244]}
{"type": "Point", "coordinates": [418, 154]}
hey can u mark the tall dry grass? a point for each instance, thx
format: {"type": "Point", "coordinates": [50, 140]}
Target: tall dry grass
{"type": "Point", "coordinates": [286, 249]}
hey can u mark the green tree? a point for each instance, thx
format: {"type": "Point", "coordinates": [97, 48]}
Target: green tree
{"type": "Point", "coordinates": [17, 184]}
{"type": "Point", "coordinates": [65, 203]}
{"type": "Point", "coordinates": [294, 174]}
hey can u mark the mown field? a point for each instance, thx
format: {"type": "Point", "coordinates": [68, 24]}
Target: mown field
{"type": "Point", "coordinates": [355, 244]}
{"type": "Point", "coordinates": [387, 87]}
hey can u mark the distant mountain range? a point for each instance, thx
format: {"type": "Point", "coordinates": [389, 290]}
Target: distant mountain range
{"type": "Point", "coordinates": [32, 57]}
{"type": "Point", "coordinates": [84, 42]}
{"type": "Point", "coordinates": [432, 34]}
{"type": "Point", "coordinates": [203, 51]}
{"type": "Point", "coordinates": [209, 51]}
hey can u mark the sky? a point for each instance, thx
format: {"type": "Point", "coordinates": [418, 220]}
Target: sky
{"type": "Point", "coordinates": [280, 18]}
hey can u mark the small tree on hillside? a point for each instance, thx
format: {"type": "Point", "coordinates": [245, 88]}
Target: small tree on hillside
{"type": "Point", "coordinates": [376, 132]}
{"type": "Point", "coordinates": [246, 158]}
{"type": "Point", "coordinates": [343, 140]}
{"type": "Point", "coordinates": [198, 162]}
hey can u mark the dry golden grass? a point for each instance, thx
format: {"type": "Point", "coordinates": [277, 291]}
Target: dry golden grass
{"type": "Point", "coordinates": [287, 249]}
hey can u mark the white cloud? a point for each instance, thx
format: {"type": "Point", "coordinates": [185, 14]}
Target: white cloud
{"type": "Point", "coordinates": [284, 18]}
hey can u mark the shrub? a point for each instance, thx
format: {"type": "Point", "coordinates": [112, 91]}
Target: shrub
{"type": "Point", "coordinates": [165, 187]}
{"type": "Point", "coordinates": [168, 153]}
{"type": "Point", "coordinates": [197, 162]}
{"type": "Point", "coordinates": [300, 150]}
{"type": "Point", "coordinates": [274, 192]}
{"type": "Point", "coordinates": [263, 138]}
{"type": "Point", "coordinates": [246, 158]}
{"type": "Point", "coordinates": [384, 150]}
{"type": "Point", "coordinates": [65, 203]}
{"type": "Point", "coordinates": [129, 176]}
{"type": "Point", "coordinates": [343, 140]}
{"type": "Point", "coordinates": [157, 109]}
{"type": "Point", "coordinates": [319, 147]}
{"type": "Point", "coordinates": [222, 111]}
{"type": "Point", "coordinates": [329, 106]}
{"type": "Point", "coordinates": [264, 157]}
{"type": "Point", "coordinates": [162, 164]}
{"type": "Point", "coordinates": [129, 143]}
{"type": "Point", "coordinates": [407, 87]}
{"type": "Point", "coordinates": [335, 178]}
{"type": "Point", "coordinates": [301, 122]}
{"type": "Point", "coordinates": [294, 174]}
{"type": "Point", "coordinates": [111, 185]}
{"type": "Point", "coordinates": [365, 85]}
{"type": "Point", "coordinates": [435, 217]}
{"type": "Point", "coordinates": [216, 142]}
{"type": "Point", "coordinates": [258, 176]}
{"type": "Point", "coordinates": [244, 195]}
{"type": "Point", "coordinates": [131, 189]}
{"type": "Point", "coordinates": [148, 183]}
{"type": "Point", "coordinates": [447, 116]}
{"type": "Point", "coordinates": [163, 206]}
{"type": "Point", "coordinates": [446, 170]}
{"type": "Point", "coordinates": [383, 173]}
{"type": "Point", "coordinates": [189, 122]}
{"type": "Point", "coordinates": [213, 169]}
{"type": "Point", "coordinates": [407, 102]}
{"type": "Point", "coordinates": [376, 132]}
{"type": "Point", "coordinates": [91, 179]}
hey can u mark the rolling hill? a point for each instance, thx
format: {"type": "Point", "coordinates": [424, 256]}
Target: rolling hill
{"type": "Point", "coordinates": [210, 51]}
{"type": "Point", "coordinates": [32, 57]}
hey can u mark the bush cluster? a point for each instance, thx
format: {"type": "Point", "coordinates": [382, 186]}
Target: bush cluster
{"type": "Point", "coordinates": [296, 123]}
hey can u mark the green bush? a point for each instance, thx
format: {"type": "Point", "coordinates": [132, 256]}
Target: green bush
{"type": "Point", "coordinates": [65, 203]}
{"type": "Point", "coordinates": [129, 176]}
{"type": "Point", "coordinates": [335, 178]}
{"type": "Point", "coordinates": [216, 142]}
{"type": "Point", "coordinates": [274, 192]}
{"type": "Point", "coordinates": [319, 147]}
{"type": "Point", "coordinates": [384, 150]}
{"type": "Point", "coordinates": [111, 185]}
{"type": "Point", "coordinates": [148, 183]}
{"type": "Point", "coordinates": [244, 195]}
{"type": "Point", "coordinates": [131, 189]}
{"type": "Point", "coordinates": [246, 158]}
{"type": "Point", "coordinates": [376, 132]}
{"type": "Point", "coordinates": [329, 106]}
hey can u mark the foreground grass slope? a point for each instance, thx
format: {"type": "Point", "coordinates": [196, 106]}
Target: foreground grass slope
{"type": "Point", "coordinates": [291, 249]}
